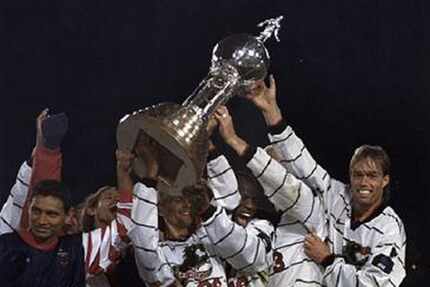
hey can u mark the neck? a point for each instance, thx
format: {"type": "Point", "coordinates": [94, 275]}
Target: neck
{"type": "Point", "coordinates": [361, 213]}
{"type": "Point", "coordinates": [41, 244]}
{"type": "Point", "coordinates": [175, 232]}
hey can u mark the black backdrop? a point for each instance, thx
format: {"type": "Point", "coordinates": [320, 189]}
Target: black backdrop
{"type": "Point", "coordinates": [348, 72]}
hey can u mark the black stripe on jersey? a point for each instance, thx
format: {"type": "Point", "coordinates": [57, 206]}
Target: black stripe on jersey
{"type": "Point", "coordinates": [143, 225]}
{"type": "Point", "coordinates": [292, 265]}
{"type": "Point", "coordinates": [257, 250]}
{"type": "Point", "coordinates": [227, 195]}
{"type": "Point", "coordinates": [17, 205]}
{"type": "Point", "coordinates": [312, 210]}
{"type": "Point", "coordinates": [391, 282]}
{"type": "Point", "coordinates": [337, 220]}
{"type": "Point", "coordinates": [22, 181]}
{"type": "Point", "coordinates": [388, 244]}
{"type": "Point", "coordinates": [283, 139]}
{"type": "Point", "coordinates": [305, 220]}
{"type": "Point", "coordinates": [7, 223]}
{"type": "Point", "coordinates": [265, 167]}
{"type": "Point", "coordinates": [289, 245]}
{"type": "Point", "coordinates": [374, 228]}
{"type": "Point", "coordinates": [296, 157]}
{"type": "Point", "coordinates": [338, 276]}
{"type": "Point", "coordinates": [278, 188]}
{"type": "Point", "coordinates": [214, 217]}
{"type": "Point", "coordinates": [227, 235]}
{"type": "Point", "coordinates": [308, 282]}
{"type": "Point", "coordinates": [295, 202]}
{"type": "Point", "coordinates": [396, 219]}
{"type": "Point", "coordinates": [374, 280]}
{"type": "Point", "coordinates": [312, 172]}
{"type": "Point", "coordinates": [240, 250]}
{"type": "Point", "coordinates": [144, 249]}
{"type": "Point", "coordinates": [145, 200]}
{"type": "Point", "coordinates": [324, 176]}
{"type": "Point", "coordinates": [220, 173]}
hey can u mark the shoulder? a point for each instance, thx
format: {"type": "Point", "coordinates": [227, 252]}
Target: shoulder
{"type": "Point", "coordinates": [391, 221]}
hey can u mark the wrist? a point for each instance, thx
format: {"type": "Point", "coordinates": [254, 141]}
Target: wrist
{"type": "Point", "coordinates": [272, 116]}
{"type": "Point", "coordinates": [328, 260]}
{"type": "Point", "coordinates": [237, 144]}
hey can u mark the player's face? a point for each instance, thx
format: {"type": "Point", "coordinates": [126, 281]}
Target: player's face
{"type": "Point", "coordinates": [177, 211]}
{"type": "Point", "coordinates": [106, 206]}
{"type": "Point", "coordinates": [47, 217]}
{"type": "Point", "coordinates": [245, 212]}
{"type": "Point", "coordinates": [367, 183]}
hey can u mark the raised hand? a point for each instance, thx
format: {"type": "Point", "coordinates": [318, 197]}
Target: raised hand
{"type": "Point", "coordinates": [227, 131]}
{"type": "Point", "coordinates": [264, 98]}
{"type": "Point", "coordinates": [39, 133]}
{"type": "Point", "coordinates": [124, 160]}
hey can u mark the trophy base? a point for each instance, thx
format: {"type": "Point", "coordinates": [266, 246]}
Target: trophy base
{"type": "Point", "coordinates": [178, 167]}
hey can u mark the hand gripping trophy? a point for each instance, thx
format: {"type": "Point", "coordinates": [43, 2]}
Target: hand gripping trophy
{"type": "Point", "coordinates": [179, 131]}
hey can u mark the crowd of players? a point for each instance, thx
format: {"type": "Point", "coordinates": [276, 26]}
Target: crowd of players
{"type": "Point", "coordinates": [283, 222]}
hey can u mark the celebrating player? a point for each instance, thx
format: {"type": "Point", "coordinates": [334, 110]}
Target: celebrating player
{"type": "Point", "coordinates": [366, 242]}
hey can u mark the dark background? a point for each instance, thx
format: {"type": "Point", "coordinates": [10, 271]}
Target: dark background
{"type": "Point", "coordinates": [348, 73]}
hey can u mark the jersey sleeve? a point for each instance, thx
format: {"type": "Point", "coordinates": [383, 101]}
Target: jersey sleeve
{"type": "Point", "coordinates": [296, 158]}
{"type": "Point", "coordinates": [384, 267]}
{"type": "Point", "coordinates": [287, 193]}
{"type": "Point", "coordinates": [10, 214]}
{"type": "Point", "coordinates": [247, 249]}
{"type": "Point", "coordinates": [151, 263]}
{"type": "Point", "coordinates": [223, 183]}
{"type": "Point", "coordinates": [102, 246]}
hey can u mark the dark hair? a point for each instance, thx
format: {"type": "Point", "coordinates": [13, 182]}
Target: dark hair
{"type": "Point", "coordinates": [380, 156]}
{"type": "Point", "coordinates": [55, 189]}
{"type": "Point", "coordinates": [376, 153]}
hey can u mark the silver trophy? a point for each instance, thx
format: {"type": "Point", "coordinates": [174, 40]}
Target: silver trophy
{"type": "Point", "coordinates": [179, 131]}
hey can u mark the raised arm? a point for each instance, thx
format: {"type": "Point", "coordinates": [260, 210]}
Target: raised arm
{"type": "Point", "coordinates": [45, 163]}
{"type": "Point", "coordinates": [287, 193]}
{"type": "Point", "coordinates": [102, 246]}
{"type": "Point", "coordinates": [291, 150]}
{"type": "Point", "coordinates": [247, 249]}
{"type": "Point", "coordinates": [220, 176]}
{"type": "Point", "coordinates": [151, 263]}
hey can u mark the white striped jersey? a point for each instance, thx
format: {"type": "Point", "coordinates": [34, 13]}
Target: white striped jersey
{"type": "Point", "coordinates": [101, 246]}
{"type": "Point", "coordinates": [10, 215]}
{"type": "Point", "coordinates": [368, 254]}
{"type": "Point", "coordinates": [218, 182]}
{"type": "Point", "coordinates": [301, 211]}
{"type": "Point", "coordinates": [199, 260]}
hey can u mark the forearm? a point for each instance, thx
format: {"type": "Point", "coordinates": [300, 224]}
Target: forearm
{"type": "Point", "coordinates": [244, 248]}
{"type": "Point", "coordinates": [223, 183]}
{"type": "Point", "coordinates": [151, 262]}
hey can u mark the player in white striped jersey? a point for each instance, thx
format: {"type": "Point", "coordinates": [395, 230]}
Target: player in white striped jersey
{"type": "Point", "coordinates": [192, 253]}
{"type": "Point", "coordinates": [367, 241]}
{"type": "Point", "coordinates": [299, 207]}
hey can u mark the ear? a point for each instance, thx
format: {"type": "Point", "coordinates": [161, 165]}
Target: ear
{"type": "Point", "coordinates": [385, 180]}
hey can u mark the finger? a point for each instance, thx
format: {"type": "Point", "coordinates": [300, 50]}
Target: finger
{"type": "Point", "coordinates": [272, 83]}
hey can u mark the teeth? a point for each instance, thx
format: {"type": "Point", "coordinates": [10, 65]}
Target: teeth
{"type": "Point", "coordinates": [244, 214]}
{"type": "Point", "coordinates": [364, 191]}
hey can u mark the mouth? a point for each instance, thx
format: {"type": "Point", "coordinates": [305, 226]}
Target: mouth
{"type": "Point", "coordinates": [364, 191]}
{"type": "Point", "coordinates": [41, 230]}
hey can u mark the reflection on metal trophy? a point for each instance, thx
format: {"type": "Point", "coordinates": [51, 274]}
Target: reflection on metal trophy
{"type": "Point", "coordinates": [179, 131]}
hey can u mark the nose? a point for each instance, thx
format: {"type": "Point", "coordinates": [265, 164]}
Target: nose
{"type": "Point", "coordinates": [43, 219]}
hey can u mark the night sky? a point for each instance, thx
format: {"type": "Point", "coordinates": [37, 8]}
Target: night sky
{"type": "Point", "coordinates": [348, 73]}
